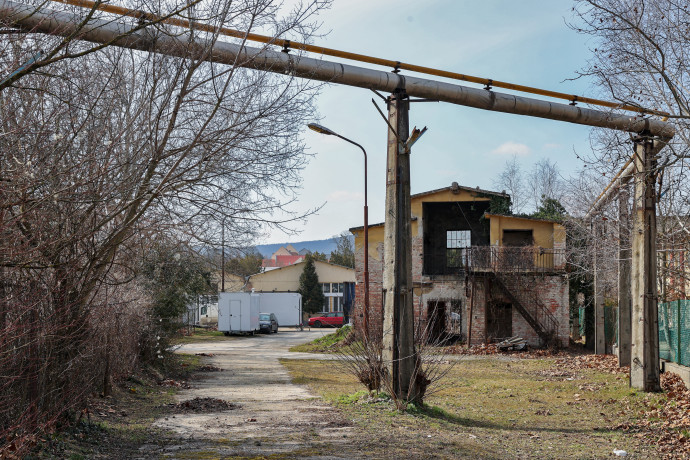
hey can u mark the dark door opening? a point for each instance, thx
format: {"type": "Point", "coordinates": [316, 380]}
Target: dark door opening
{"type": "Point", "coordinates": [517, 238]}
{"type": "Point", "coordinates": [499, 321]}
{"type": "Point", "coordinates": [436, 321]}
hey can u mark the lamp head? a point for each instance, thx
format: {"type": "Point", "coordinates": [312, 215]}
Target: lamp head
{"type": "Point", "coordinates": [320, 129]}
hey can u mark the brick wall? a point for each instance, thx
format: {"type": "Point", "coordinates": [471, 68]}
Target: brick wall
{"type": "Point", "coordinates": [552, 292]}
{"type": "Point", "coordinates": [551, 289]}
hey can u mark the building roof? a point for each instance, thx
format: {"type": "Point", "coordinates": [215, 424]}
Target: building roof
{"type": "Point", "coordinates": [282, 261]}
{"type": "Point", "coordinates": [454, 187]}
{"type": "Point", "coordinates": [274, 268]}
{"type": "Point", "coordinates": [534, 219]}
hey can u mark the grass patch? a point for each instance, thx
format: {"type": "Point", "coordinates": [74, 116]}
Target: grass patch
{"type": "Point", "coordinates": [326, 344]}
{"type": "Point", "coordinates": [489, 408]}
{"type": "Point", "coordinates": [202, 335]}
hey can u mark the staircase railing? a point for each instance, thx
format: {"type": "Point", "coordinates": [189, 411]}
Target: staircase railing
{"type": "Point", "coordinates": [510, 267]}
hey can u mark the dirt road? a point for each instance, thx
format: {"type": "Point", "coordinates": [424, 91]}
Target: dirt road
{"type": "Point", "coordinates": [272, 416]}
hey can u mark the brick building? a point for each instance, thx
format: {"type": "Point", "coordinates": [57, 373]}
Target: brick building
{"type": "Point", "coordinates": [476, 272]}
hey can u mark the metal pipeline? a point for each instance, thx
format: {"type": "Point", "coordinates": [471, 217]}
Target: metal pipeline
{"type": "Point", "coordinates": [100, 31]}
{"type": "Point", "coordinates": [623, 175]}
{"type": "Point", "coordinates": [289, 44]}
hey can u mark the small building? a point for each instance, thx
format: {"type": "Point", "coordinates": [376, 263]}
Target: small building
{"type": "Point", "coordinates": [282, 257]}
{"type": "Point", "coordinates": [475, 270]}
{"type": "Point", "coordinates": [336, 281]}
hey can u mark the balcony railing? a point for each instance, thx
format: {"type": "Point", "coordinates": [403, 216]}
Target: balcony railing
{"type": "Point", "coordinates": [495, 259]}
{"type": "Point", "coordinates": [515, 259]}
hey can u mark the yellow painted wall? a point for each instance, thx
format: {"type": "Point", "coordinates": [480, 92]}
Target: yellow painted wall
{"type": "Point", "coordinates": [287, 278]}
{"type": "Point", "coordinates": [233, 283]}
{"type": "Point", "coordinates": [376, 233]}
{"type": "Point", "coordinates": [545, 233]}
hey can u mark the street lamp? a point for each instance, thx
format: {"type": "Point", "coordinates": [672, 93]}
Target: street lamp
{"type": "Point", "coordinates": [323, 130]}
{"type": "Point", "coordinates": [222, 255]}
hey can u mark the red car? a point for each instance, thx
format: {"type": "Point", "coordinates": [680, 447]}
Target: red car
{"type": "Point", "coordinates": [334, 319]}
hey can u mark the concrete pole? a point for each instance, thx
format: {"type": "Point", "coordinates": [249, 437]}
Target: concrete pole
{"type": "Point", "coordinates": [398, 322]}
{"type": "Point", "coordinates": [644, 368]}
{"type": "Point", "coordinates": [599, 331]}
{"type": "Point", "coordinates": [624, 286]}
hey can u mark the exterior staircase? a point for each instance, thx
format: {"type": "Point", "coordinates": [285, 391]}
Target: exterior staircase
{"type": "Point", "coordinates": [513, 270]}
{"type": "Point", "coordinates": [528, 304]}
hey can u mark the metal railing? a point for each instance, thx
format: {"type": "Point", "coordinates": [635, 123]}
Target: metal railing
{"type": "Point", "coordinates": [514, 259]}
{"type": "Point", "coordinates": [494, 259]}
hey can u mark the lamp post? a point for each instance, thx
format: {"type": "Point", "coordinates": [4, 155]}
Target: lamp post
{"type": "Point", "coordinates": [323, 130]}
{"type": "Point", "coordinates": [222, 255]}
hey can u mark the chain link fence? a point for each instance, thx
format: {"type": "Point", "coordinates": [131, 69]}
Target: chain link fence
{"type": "Point", "coordinates": [674, 331]}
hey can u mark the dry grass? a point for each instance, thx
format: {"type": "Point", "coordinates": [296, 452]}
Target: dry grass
{"type": "Point", "coordinates": [490, 408]}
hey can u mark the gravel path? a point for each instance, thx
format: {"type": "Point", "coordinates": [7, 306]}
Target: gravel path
{"type": "Point", "coordinates": [272, 416]}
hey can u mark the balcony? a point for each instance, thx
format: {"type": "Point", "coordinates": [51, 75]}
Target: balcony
{"type": "Point", "coordinates": [496, 259]}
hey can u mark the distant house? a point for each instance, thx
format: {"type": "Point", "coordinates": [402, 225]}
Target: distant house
{"type": "Point", "coordinates": [487, 275]}
{"type": "Point", "coordinates": [336, 281]}
{"type": "Point", "coordinates": [284, 256]}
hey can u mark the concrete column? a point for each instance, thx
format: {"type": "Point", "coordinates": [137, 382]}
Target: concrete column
{"type": "Point", "coordinates": [644, 368]}
{"type": "Point", "coordinates": [624, 287]}
{"type": "Point", "coordinates": [599, 331]}
{"type": "Point", "coordinates": [398, 322]}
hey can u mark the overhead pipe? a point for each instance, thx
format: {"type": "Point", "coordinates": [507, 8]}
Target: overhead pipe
{"type": "Point", "coordinates": [60, 23]}
{"type": "Point", "coordinates": [623, 176]}
{"type": "Point", "coordinates": [396, 65]}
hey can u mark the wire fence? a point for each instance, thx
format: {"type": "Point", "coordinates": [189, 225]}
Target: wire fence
{"type": "Point", "coordinates": [674, 331]}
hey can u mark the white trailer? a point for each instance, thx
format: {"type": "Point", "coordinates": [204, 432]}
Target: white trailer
{"type": "Point", "coordinates": [287, 306]}
{"type": "Point", "coordinates": [238, 313]}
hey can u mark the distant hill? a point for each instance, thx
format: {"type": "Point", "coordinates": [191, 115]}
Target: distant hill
{"type": "Point", "coordinates": [325, 246]}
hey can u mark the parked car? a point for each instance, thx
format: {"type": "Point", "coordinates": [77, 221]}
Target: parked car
{"type": "Point", "coordinates": [330, 319]}
{"type": "Point", "coordinates": [268, 323]}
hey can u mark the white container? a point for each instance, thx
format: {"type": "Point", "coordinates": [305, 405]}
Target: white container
{"type": "Point", "coordinates": [238, 312]}
{"type": "Point", "coordinates": [287, 306]}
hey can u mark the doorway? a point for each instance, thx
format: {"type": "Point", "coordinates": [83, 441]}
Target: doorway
{"type": "Point", "coordinates": [499, 321]}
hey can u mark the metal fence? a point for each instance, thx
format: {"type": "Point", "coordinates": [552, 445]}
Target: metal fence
{"type": "Point", "coordinates": [674, 331]}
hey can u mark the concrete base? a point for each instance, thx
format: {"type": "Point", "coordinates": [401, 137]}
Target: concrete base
{"type": "Point", "coordinates": [682, 371]}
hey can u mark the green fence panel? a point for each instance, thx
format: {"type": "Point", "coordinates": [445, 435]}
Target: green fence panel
{"type": "Point", "coordinates": [674, 331]}
{"type": "Point", "coordinates": [581, 314]}
{"type": "Point", "coordinates": [684, 335]}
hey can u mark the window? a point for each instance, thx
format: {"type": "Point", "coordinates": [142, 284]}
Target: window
{"type": "Point", "coordinates": [456, 242]}
{"type": "Point", "coordinates": [326, 288]}
{"type": "Point", "coordinates": [338, 304]}
{"type": "Point", "coordinates": [458, 239]}
{"type": "Point", "coordinates": [204, 310]}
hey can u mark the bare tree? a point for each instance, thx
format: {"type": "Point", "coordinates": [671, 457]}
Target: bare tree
{"type": "Point", "coordinates": [640, 57]}
{"type": "Point", "coordinates": [105, 152]}
{"type": "Point", "coordinates": [544, 181]}
{"type": "Point", "coordinates": [512, 180]}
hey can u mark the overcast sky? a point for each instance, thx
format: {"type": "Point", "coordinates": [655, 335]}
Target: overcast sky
{"type": "Point", "coordinates": [525, 42]}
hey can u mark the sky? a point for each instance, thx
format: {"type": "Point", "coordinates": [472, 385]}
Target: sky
{"type": "Point", "coordinates": [525, 42]}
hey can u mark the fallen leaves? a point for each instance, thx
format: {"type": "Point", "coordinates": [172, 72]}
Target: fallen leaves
{"type": "Point", "coordinates": [664, 420]}
{"type": "Point", "coordinates": [603, 363]}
